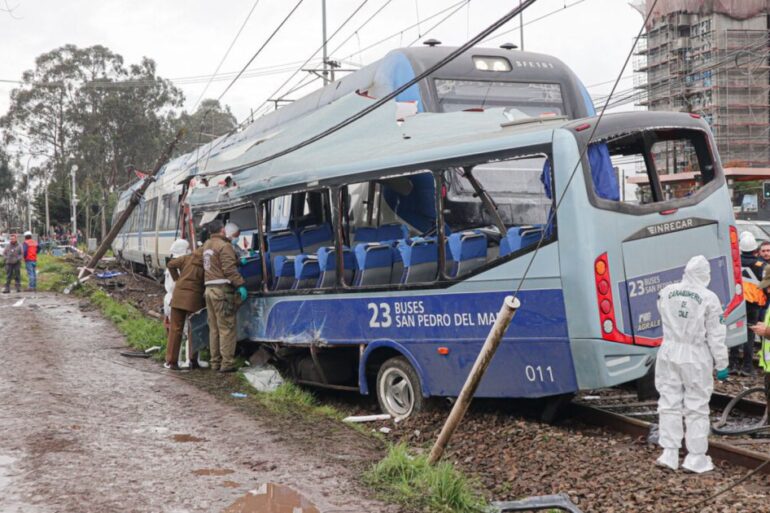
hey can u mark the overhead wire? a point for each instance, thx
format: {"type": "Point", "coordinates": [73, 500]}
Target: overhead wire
{"type": "Point", "coordinates": [382, 101]}
{"type": "Point", "coordinates": [227, 52]}
{"type": "Point", "coordinates": [556, 11]}
{"type": "Point", "coordinates": [270, 38]}
{"type": "Point", "coordinates": [443, 20]}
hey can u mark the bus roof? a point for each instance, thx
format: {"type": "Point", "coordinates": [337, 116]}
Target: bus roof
{"type": "Point", "coordinates": [375, 143]}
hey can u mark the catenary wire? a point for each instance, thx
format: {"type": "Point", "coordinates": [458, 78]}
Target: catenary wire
{"type": "Point", "coordinates": [277, 29]}
{"type": "Point", "coordinates": [227, 52]}
{"type": "Point", "coordinates": [440, 22]}
{"type": "Point", "coordinates": [546, 15]}
{"type": "Point", "coordinates": [387, 98]}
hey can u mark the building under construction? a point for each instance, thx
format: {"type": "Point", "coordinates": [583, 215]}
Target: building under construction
{"type": "Point", "coordinates": [710, 57]}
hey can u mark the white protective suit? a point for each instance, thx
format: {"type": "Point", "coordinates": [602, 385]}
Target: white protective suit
{"type": "Point", "coordinates": [693, 344]}
{"type": "Point", "coordinates": [179, 247]}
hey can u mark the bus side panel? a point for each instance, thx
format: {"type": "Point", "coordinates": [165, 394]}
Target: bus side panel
{"type": "Point", "coordinates": [533, 360]}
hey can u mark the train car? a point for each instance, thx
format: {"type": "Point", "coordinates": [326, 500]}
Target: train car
{"type": "Point", "coordinates": [524, 84]}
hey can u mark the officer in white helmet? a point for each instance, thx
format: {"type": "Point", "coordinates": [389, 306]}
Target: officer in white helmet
{"type": "Point", "coordinates": [693, 344]}
{"type": "Point", "coordinates": [751, 273]}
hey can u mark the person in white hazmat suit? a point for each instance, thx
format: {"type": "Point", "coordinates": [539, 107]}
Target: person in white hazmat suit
{"type": "Point", "coordinates": [693, 344]}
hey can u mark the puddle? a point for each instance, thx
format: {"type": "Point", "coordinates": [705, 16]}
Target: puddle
{"type": "Point", "coordinates": [212, 471]}
{"type": "Point", "coordinates": [187, 438]}
{"type": "Point", "coordinates": [272, 498]}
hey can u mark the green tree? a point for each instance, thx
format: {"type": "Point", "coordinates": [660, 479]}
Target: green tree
{"type": "Point", "coordinates": [209, 121]}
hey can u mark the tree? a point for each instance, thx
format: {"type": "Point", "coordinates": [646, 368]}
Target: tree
{"type": "Point", "coordinates": [8, 214]}
{"type": "Point", "coordinates": [85, 107]}
{"type": "Point", "coordinates": [208, 122]}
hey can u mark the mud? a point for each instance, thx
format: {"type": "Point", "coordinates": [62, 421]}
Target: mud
{"type": "Point", "coordinates": [86, 430]}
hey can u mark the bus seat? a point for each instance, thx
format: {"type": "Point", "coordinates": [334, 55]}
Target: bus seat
{"type": "Point", "coordinates": [530, 236]}
{"type": "Point", "coordinates": [313, 237]}
{"type": "Point", "coordinates": [373, 263]}
{"type": "Point", "coordinates": [468, 250]}
{"type": "Point", "coordinates": [283, 278]}
{"type": "Point", "coordinates": [519, 237]}
{"type": "Point", "coordinates": [420, 257]}
{"type": "Point", "coordinates": [327, 263]}
{"type": "Point", "coordinates": [397, 270]}
{"type": "Point", "coordinates": [306, 271]}
{"type": "Point", "coordinates": [282, 243]}
{"type": "Point", "coordinates": [252, 272]}
{"type": "Point", "coordinates": [392, 231]}
{"type": "Point", "coordinates": [365, 234]}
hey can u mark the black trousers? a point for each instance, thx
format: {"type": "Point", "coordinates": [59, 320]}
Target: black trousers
{"type": "Point", "coordinates": [744, 362]}
{"type": "Point", "coordinates": [13, 272]}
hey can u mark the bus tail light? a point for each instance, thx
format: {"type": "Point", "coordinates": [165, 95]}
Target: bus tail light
{"type": "Point", "coordinates": [605, 302]}
{"type": "Point", "coordinates": [735, 253]}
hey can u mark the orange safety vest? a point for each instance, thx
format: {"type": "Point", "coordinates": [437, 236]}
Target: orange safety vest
{"type": "Point", "coordinates": [31, 250]}
{"type": "Point", "coordinates": [751, 291]}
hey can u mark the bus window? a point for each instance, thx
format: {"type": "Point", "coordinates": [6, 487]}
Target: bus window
{"type": "Point", "coordinates": [390, 227]}
{"type": "Point", "coordinates": [299, 239]}
{"type": "Point", "coordinates": [654, 166]}
{"type": "Point", "coordinates": [521, 100]}
{"type": "Point", "coordinates": [495, 210]}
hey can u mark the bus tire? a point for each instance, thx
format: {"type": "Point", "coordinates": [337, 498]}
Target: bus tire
{"type": "Point", "coordinates": [398, 388]}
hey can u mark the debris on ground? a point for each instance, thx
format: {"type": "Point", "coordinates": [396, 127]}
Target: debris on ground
{"type": "Point", "coordinates": [264, 378]}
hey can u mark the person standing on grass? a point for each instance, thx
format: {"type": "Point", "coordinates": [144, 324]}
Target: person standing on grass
{"type": "Point", "coordinates": [225, 291]}
{"type": "Point", "coordinates": [185, 297]}
{"type": "Point", "coordinates": [13, 256]}
{"type": "Point", "coordinates": [30, 259]}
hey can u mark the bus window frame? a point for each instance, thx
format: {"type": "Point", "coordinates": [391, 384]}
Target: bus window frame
{"type": "Point", "coordinates": [656, 206]}
{"type": "Point", "coordinates": [335, 187]}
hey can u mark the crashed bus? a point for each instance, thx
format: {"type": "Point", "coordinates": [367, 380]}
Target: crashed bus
{"type": "Point", "coordinates": [384, 251]}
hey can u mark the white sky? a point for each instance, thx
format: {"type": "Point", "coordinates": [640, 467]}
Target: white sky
{"type": "Point", "coordinates": [188, 38]}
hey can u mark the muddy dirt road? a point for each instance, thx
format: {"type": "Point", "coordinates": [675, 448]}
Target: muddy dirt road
{"type": "Point", "coordinates": [86, 430]}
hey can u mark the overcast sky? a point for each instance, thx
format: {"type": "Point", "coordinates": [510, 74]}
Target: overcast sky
{"type": "Point", "coordinates": [188, 38]}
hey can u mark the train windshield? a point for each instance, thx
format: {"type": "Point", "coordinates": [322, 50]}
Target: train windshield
{"type": "Point", "coordinates": [521, 100]}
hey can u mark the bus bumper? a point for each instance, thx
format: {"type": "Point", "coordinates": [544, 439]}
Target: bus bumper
{"type": "Point", "coordinates": [601, 364]}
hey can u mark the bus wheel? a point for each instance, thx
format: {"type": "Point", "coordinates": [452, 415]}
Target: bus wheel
{"type": "Point", "coordinates": [398, 388]}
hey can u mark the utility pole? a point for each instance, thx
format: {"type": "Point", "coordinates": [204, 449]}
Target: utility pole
{"type": "Point", "coordinates": [521, 27]}
{"type": "Point", "coordinates": [325, 56]}
{"type": "Point", "coordinates": [73, 169]}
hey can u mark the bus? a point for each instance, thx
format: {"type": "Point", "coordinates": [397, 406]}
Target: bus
{"type": "Point", "coordinates": [525, 84]}
{"type": "Point", "coordinates": [382, 253]}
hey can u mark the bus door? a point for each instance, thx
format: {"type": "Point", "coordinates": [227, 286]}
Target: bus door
{"type": "Point", "coordinates": [668, 168]}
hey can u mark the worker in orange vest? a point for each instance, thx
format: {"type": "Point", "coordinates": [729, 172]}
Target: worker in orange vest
{"type": "Point", "coordinates": [751, 273]}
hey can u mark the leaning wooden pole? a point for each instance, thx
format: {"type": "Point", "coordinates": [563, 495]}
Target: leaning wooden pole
{"type": "Point", "coordinates": [510, 305]}
{"type": "Point", "coordinates": [136, 197]}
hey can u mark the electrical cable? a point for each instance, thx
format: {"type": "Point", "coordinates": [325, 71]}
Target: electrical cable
{"type": "Point", "coordinates": [444, 19]}
{"type": "Point", "coordinates": [227, 52]}
{"type": "Point", "coordinates": [498, 36]}
{"type": "Point", "coordinates": [278, 28]}
{"type": "Point", "coordinates": [724, 490]}
{"type": "Point", "coordinates": [387, 98]}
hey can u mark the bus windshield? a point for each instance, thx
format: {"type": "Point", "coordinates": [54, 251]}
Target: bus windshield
{"type": "Point", "coordinates": [521, 100]}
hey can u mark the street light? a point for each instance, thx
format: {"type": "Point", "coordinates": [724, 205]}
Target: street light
{"type": "Point", "coordinates": [73, 169]}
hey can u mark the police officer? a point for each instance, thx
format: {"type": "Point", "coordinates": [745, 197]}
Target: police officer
{"type": "Point", "coordinates": [762, 329]}
{"type": "Point", "coordinates": [751, 273]}
{"type": "Point", "coordinates": [693, 344]}
{"type": "Point", "coordinates": [225, 291]}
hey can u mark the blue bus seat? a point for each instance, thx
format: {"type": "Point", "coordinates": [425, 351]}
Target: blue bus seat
{"type": "Point", "coordinates": [306, 271]}
{"type": "Point", "coordinates": [392, 232]}
{"type": "Point", "coordinates": [420, 258]}
{"type": "Point", "coordinates": [519, 237]}
{"type": "Point", "coordinates": [468, 251]}
{"type": "Point", "coordinates": [397, 270]}
{"type": "Point", "coordinates": [284, 243]}
{"type": "Point", "coordinates": [365, 234]}
{"type": "Point", "coordinates": [313, 237]}
{"type": "Point", "coordinates": [283, 278]}
{"type": "Point", "coordinates": [251, 271]}
{"type": "Point", "coordinates": [327, 263]}
{"type": "Point", "coordinates": [373, 263]}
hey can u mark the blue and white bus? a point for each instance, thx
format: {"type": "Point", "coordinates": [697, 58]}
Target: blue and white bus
{"type": "Point", "coordinates": [524, 83]}
{"type": "Point", "coordinates": [384, 251]}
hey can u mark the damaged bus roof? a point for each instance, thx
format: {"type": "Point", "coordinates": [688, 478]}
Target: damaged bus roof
{"type": "Point", "coordinates": [376, 142]}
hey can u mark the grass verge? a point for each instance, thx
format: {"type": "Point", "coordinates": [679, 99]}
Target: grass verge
{"type": "Point", "coordinates": [411, 481]}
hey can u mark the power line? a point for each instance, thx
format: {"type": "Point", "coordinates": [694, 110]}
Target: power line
{"type": "Point", "coordinates": [280, 25]}
{"type": "Point", "coordinates": [566, 6]}
{"type": "Point", "coordinates": [227, 52]}
{"type": "Point", "coordinates": [382, 101]}
{"type": "Point", "coordinates": [445, 18]}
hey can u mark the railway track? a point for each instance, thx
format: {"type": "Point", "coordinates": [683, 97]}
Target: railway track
{"type": "Point", "coordinates": [636, 418]}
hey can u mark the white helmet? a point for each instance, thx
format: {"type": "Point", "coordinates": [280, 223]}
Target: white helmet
{"type": "Point", "coordinates": [28, 233]}
{"type": "Point", "coordinates": [179, 248]}
{"type": "Point", "coordinates": [748, 243]}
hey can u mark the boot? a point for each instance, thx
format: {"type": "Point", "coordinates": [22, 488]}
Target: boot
{"type": "Point", "coordinates": [6, 290]}
{"type": "Point", "coordinates": [669, 459]}
{"type": "Point", "coordinates": [698, 463]}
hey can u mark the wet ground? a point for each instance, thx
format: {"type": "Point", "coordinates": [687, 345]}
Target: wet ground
{"type": "Point", "coordinates": [86, 430]}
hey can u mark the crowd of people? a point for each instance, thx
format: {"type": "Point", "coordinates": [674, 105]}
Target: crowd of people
{"type": "Point", "coordinates": [206, 277]}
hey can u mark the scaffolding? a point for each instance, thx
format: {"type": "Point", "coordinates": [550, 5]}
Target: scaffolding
{"type": "Point", "coordinates": [711, 64]}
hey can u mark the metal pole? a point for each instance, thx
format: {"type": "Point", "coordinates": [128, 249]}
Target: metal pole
{"type": "Point", "coordinates": [73, 169]}
{"type": "Point", "coordinates": [29, 206]}
{"type": "Point", "coordinates": [503, 320]}
{"type": "Point", "coordinates": [325, 56]}
{"type": "Point", "coordinates": [47, 213]}
{"type": "Point", "coordinates": [521, 28]}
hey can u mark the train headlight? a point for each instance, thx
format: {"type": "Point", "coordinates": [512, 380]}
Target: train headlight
{"type": "Point", "coordinates": [491, 63]}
